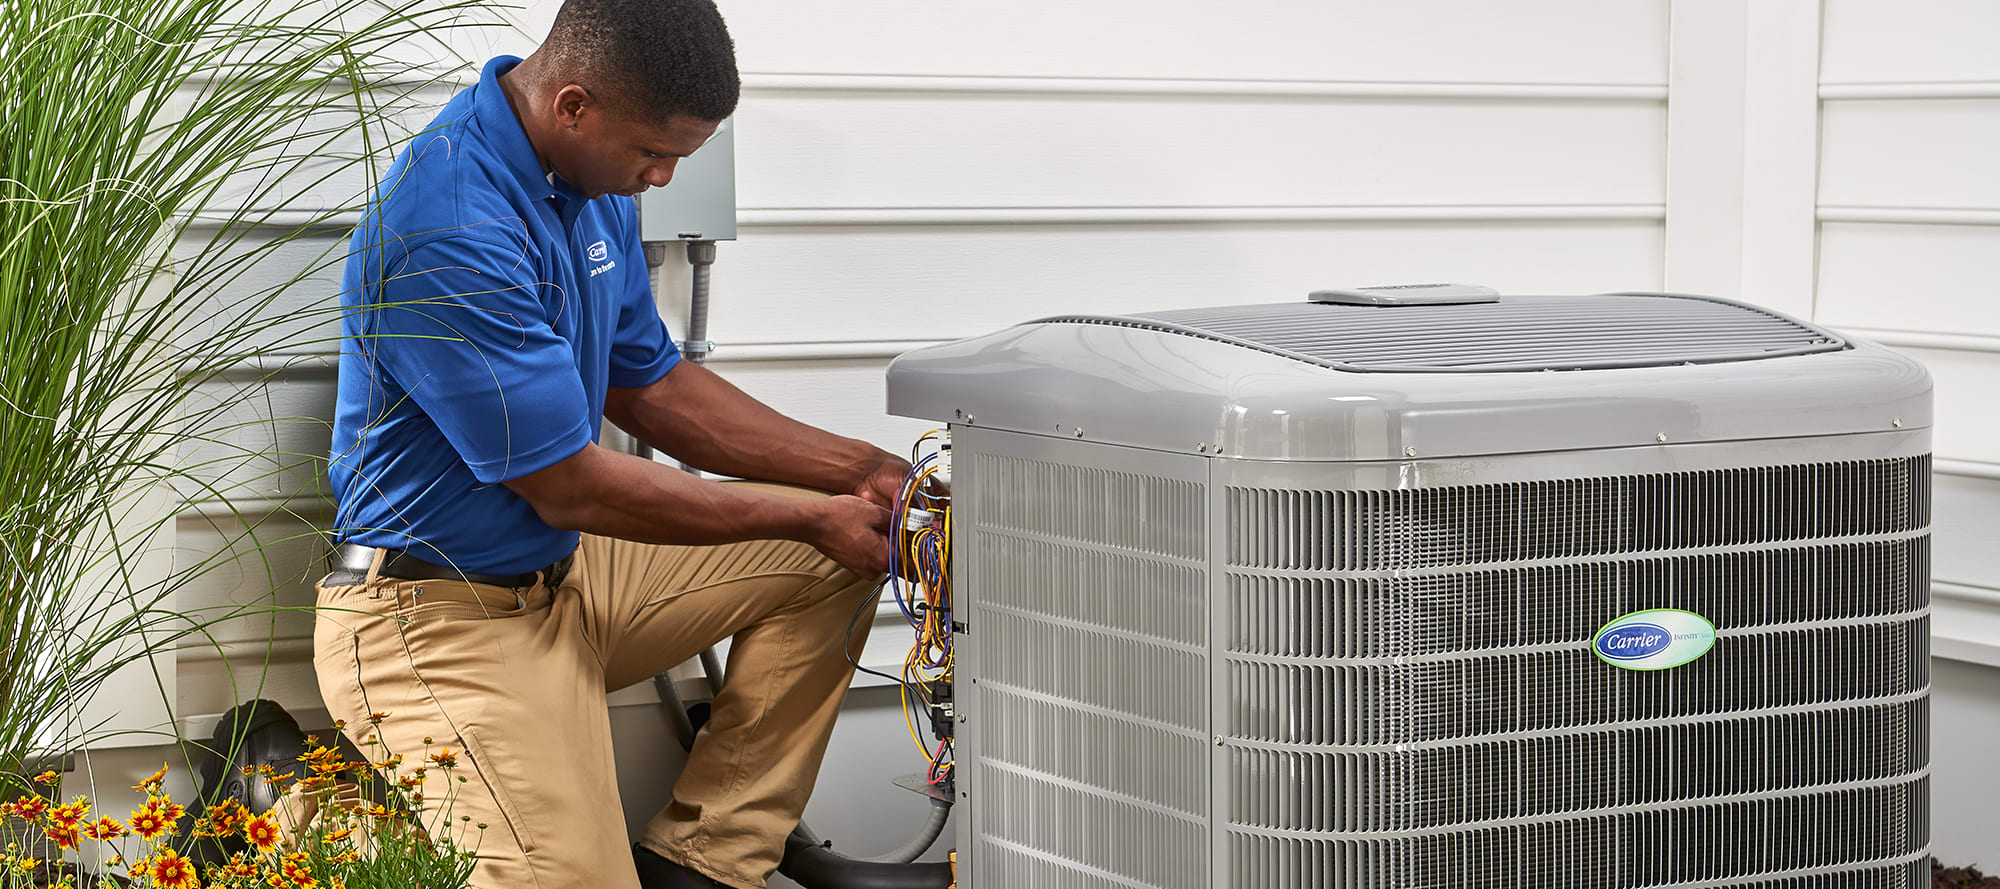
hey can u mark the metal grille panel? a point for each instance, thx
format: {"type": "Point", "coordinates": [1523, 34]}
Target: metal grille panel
{"type": "Point", "coordinates": [1660, 847]}
{"type": "Point", "coordinates": [1412, 702]}
{"type": "Point", "coordinates": [1435, 700]}
{"type": "Point", "coordinates": [1435, 786]}
{"type": "Point", "coordinates": [1124, 510]}
{"type": "Point", "coordinates": [1089, 601]}
{"type": "Point", "coordinates": [1314, 616]}
{"type": "Point", "coordinates": [1574, 518]}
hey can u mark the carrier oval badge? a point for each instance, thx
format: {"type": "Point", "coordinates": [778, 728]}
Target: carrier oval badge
{"type": "Point", "coordinates": [1654, 640]}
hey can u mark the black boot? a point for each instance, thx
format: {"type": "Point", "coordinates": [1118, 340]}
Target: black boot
{"type": "Point", "coordinates": [656, 872]}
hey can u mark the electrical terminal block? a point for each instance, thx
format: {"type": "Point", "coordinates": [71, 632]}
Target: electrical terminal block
{"type": "Point", "coordinates": [944, 458]}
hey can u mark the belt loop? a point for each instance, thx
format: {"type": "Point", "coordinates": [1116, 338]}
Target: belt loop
{"type": "Point", "coordinates": [375, 572]}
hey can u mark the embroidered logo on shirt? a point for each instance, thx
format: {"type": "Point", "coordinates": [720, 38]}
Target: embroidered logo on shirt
{"type": "Point", "coordinates": [598, 252]}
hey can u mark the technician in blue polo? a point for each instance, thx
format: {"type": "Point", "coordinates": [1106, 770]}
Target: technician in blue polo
{"type": "Point", "coordinates": [496, 571]}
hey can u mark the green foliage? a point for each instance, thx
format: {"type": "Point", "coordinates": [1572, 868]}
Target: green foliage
{"type": "Point", "coordinates": [153, 155]}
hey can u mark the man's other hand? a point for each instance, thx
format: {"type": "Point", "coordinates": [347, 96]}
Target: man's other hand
{"type": "Point", "coordinates": [854, 533]}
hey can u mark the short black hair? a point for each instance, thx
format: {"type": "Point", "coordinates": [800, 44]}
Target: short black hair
{"type": "Point", "coordinates": [655, 57]}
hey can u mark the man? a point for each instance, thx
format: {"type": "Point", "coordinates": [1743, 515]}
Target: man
{"type": "Point", "coordinates": [497, 571]}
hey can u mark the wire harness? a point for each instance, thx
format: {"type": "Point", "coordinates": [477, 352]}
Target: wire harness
{"type": "Point", "coordinates": [920, 581]}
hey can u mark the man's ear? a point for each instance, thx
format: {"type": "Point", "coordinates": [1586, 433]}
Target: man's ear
{"type": "Point", "coordinates": [572, 103]}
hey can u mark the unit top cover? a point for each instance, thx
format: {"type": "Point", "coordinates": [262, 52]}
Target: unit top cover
{"type": "Point", "coordinates": [1515, 333]}
{"type": "Point", "coordinates": [1386, 375]}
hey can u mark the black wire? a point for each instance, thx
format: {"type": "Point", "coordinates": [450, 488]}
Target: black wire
{"type": "Point", "coordinates": [847, 644]}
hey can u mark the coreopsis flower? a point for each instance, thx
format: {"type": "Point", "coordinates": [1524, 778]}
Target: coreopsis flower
{"type": "Point", "coordinates": [151, 783]}
{"type": "Point", "coordinates": [391, 764]}
{"type": "Point", "coordinates": [27, 865]}
{"type": "Point", "coordinates": [105, 828]}
{"type": "Point", "coordinates": [71, 813]}
{"type": "Point", "coordinates": [294, 868]}
{"type": "Point", "coordinates": [171, 871]}
{"type": "Point", "coordinates": [446, 758]}
{"type": "Point", "coordinates": [30, 808]}
{"type": "Point", "coordinates": [228, 817]}
{"type": "Point", "coordinates": [167, 808]}
{"type": "Point", "coordinates": [65, 836]}
{"type": "Point", "coordinates": [148, 823]}
{"type": "Point", "coordinates": [239, 866]}
{"type": "Point", "coordinates": [49, 777]}
{"type": "Point", "coordinates": [262, 832]}
{"type": "Point", "coordinates": [376, 717]}
{"type": "Point", "coordinates": [323, 760]}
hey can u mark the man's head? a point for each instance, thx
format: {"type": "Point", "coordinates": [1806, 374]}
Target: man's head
{"type": "Point", "coordinates": [622, 89]}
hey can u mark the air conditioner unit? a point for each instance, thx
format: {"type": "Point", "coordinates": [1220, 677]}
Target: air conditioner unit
{"type": "Point", "coordinates": [1422, 587]}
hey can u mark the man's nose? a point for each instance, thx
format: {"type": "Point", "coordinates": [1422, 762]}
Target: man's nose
{"type": "Point", "coordinates": [660, 174]}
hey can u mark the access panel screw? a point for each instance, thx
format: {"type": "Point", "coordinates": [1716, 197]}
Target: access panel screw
{"type": "Point", "coordinates": [1898, 423]}
{"type": "Point", "coordinates": [1409, 452]}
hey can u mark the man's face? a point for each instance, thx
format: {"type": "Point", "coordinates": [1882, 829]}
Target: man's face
{"type": "Point", "coordinates": [606, 152]}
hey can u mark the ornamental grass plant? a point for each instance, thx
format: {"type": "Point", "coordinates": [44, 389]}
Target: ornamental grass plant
{"type": "Point", "coordinates": [168, 169]}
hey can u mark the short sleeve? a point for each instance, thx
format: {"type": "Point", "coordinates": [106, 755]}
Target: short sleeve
{"type": "Point", "coordinates": [459, 324]}
{"type": "Point", "coordinates": [642, 350]}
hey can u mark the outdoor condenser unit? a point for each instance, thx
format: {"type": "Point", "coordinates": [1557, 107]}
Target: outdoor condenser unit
{"type": "Point", "coordinates": [1400, 588]}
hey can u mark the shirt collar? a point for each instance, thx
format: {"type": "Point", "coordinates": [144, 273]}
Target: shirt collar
{"type": "Point", "coordinates": [509, 140]}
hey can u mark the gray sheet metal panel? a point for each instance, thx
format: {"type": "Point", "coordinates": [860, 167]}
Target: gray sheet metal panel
{"type": "Point", "coordinates": [1126, 536]}
{"type": "Point", "coordinates": [1169, 392]}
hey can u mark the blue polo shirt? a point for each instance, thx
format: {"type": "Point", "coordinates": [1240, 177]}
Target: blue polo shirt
{"type": "Point", "coordinates": [488, 306]}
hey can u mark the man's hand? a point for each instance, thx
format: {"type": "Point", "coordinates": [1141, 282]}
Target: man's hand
{"type": "Point", "coordinates": [882, 483]}
{"type": "Point", "coordinates": [853, 533]}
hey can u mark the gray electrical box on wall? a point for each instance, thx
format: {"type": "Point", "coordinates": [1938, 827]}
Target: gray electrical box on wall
{"type": "Point", "coordinates": [700, 204]}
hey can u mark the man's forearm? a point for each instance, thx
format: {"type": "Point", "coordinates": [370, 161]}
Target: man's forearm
{"type": "Point", "coordinates": [698, 417]}
{"type": "Point", "coordinates": [617, 495]}
{"type": "Point", "coordinates": [602, 492]}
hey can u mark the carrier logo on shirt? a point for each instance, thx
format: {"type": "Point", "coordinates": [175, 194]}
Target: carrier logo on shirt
{"type": "Point", "coordinates": [598, 252]}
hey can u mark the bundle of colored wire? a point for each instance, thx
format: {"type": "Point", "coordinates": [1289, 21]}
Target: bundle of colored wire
{"type": "Point", "coordinates": [920, 581]}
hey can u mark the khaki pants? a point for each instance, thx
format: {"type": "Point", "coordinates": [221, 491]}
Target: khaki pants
{"type": "Point", "coordinates": [516, 681]}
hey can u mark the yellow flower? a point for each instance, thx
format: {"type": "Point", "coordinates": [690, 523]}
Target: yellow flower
{"type": "Point", "coordinates": [148, 823]}
{"type": "Point", "coordinates": [377, 717]}
{"type": "Point", "coordinates": [171, 871]}
{"type": "Point", "coordinates": [166, 808]}
{"type": "Point", "coordinates": [152, 782]}
{"type": "Point", "coordinates": [228, 817]}
{"type": "Point", "coordinates": [71, 813]}
{"type": "Point", "coordinates": [49, 777]}
{"type": "Point", "coordinates": [27, 865]}
{"type": "Point", "coordinates": [106, 828]}
{"type": "Point", "coordinates": [65, 836]}
{"type": "Point", "coordinates": [30, 808]}
{"type": "Point", "coordinates": [445, 758]}
{"type": "Point", "coordinates": [262, 832]}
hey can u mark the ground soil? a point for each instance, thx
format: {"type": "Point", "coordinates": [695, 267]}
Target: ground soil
{"type": "Point", "coordinates": [1960, 877]}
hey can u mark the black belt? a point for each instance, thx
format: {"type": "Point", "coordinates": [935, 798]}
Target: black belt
{"type": "Point", "coordinates": [350, 562]}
